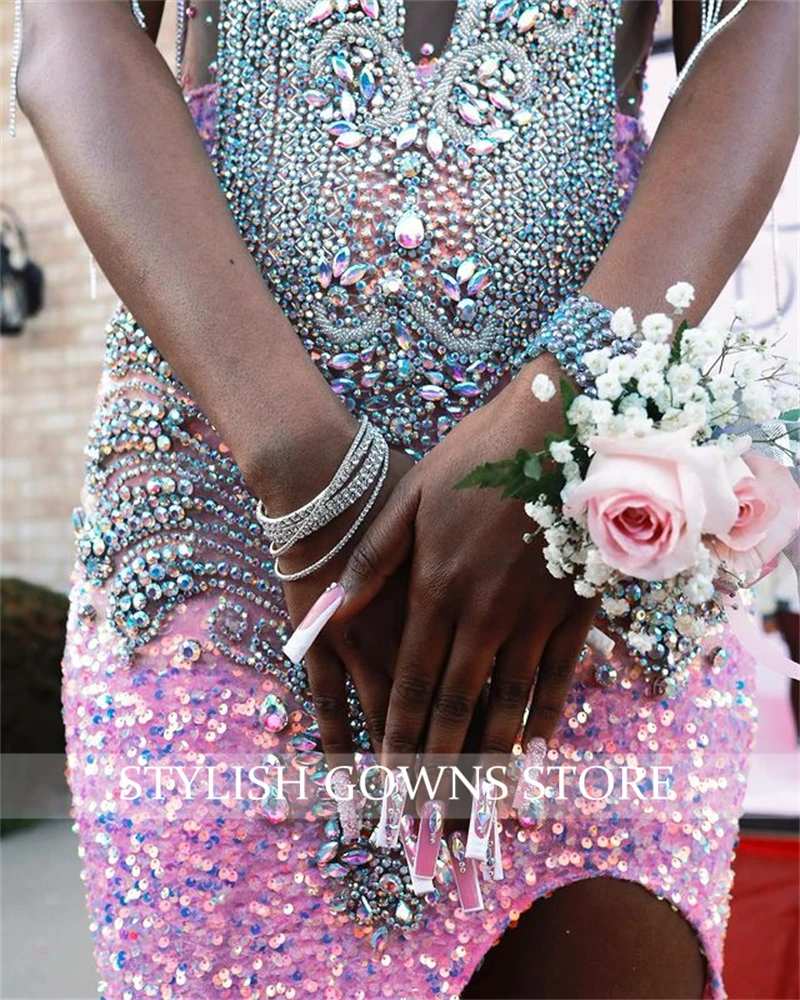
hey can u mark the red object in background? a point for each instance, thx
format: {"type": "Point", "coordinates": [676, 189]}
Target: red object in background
{"type": "Point", "coordinates": [762, 950]}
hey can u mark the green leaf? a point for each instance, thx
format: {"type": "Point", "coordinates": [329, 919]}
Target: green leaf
{"type": "Point", "coordinates": [790, 416]}
{"type": "Point", "coordinates": [532, 467]}
{"type": "Point", "coordinates": [568, 395]}
{"type": "Point", "coordinates": [675, 353]}
{"type": "Point", "coordinates": [489, 474]}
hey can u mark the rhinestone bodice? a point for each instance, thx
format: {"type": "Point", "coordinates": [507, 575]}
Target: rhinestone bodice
{"type": "Point", "coordinates": [417, 222]}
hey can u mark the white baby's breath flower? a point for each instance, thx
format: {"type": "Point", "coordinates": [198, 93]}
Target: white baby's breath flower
{"type": "Point", "coordinates": [584, 589]}
{"type": "Point", "coordinates": [758, 403]}
{"type": "Point", "coordinates": [722, 386]}
{"type": "Point", "coordinates": [787, 397]}
{"type": "Point", "coordinates": [683, 378]}
{"type": "Point", "coordinates": [748, 369]}
{"type": "Point", "coordinates": [699, 589]}
{"type": "Point", "coordinates": [743, 311]}
{"type": "Point", "coordinates": [602, 413]}
{"type": "Point", "coordinates": [632, 401]}
{"type": "Point", "coordinates": [542, 513]}
{"type": "Point", "coordinates": [653, 357]}
{"type": "Point", "coordinates": [580, 410]}
{"type": "Point", "coordinates": [636, 423]}
{"type": "Point", "coordinates": [622, 323]}
{"type": "Point", "coordinates": [650, 384]}
{"type": "Point", "coordinates": [561, 451]}
{"type": "Point", "coordinates": [641, 642]}
{"type": "Point", "coordinates": [680, 295]}
{"type": "Point", "coordinates": [597, 570]}
{"type": "Point", "coordinates": [733, 445]}
{"type": "Point", "coordinates": [597, 361]}
{"type": "Point", "coordinates": [624, 367]}
{"type": "Point", "coordinates": [569, 488]}
{"type": "Point", "coordinates": [543, 387]}
{"type": "Point", "coordinates": [557, 536]}
{"type": "Point", "coordinates": [615, 607]}
{"type": "Point", "coordinates": [695, 412]}
{"type": "Point", "coordinates": [657, 328]}
{"type": "Point", "coordinates": [723, 411]}
{"type": "Point", "coordinates": [608, 386]}
{"type": "Point", "coordinates": [702, 345]}
{"type": "Point", "coordinates": [571, 471]}
{"type": "Point", "coordinates": [555, 570]}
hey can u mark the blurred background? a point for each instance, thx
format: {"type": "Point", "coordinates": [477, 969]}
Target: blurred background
{"type": "Point", "coordinates": [52, 347]}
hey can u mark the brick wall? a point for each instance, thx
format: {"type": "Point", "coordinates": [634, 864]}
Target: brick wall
{"type": "Point", "coordinates": [50, 372]}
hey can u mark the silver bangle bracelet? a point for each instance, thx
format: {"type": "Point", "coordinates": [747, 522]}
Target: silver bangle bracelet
{"type": "Point", "coordinates": [308, 570]}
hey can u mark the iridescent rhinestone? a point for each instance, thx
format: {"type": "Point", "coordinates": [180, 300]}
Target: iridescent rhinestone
{"type": "Point", "coordinates": [380, 937]}
{"type": "Point", "coordinates": [371, 8]}
{"type": "Point", "coordinates": [190, 651]}
{"type": "Point", "coordinates": [502, 10]}
{"type": "Point", "coordinates": [479, 281]}
{"type": "Point", "coordinates": [320, 10]}
{"type": "Point", "coordinates": [467, 309]}
{"type": "Point", "coordinates": [341, 260]}
{"type": "Point", "coordinates": [469, 112]}
{"type": "Point", "coordinates": [450, 285]}
{"type": "Point", "coordinates": [342, 68]}
{"type": "Point", "coordinates": [366, 83]}
{"type": "Point", "coordinates": [341, 362]}
{"type": "Point", "coordinates": [432, 392]}
{"type": "Point", "coordinates": [357, 856]}
{"type": "Point", "coordinates": [468, 389]}
{"type": "Point", "coordinates": [605, 674]}
{"type": "Point", "coordinates": [481, 147]}
{"type": "Point", "coordinates": [434, 143]}
{"type": "Point", "coordinates": [335, 870]}
{"type": "Point", "coordinates": [273, 713]}
{"type": "Point", "coordinates": [348, 106]}
{"type": "Point", "coordinates": [390, 883]}
{"type": "Point", "coordinates": [407, 136]}
{"type": "Point", "coordinates": [409, 231]}
{"type": "Point", "coordinates": [274, 808]}
{"type": "Point", "coordinates": [403, 912]}
{"type": "Point", "coordinates": [338, 297]}
{"type": "Point", "coordinates": [324, 274]}
{"type": "Point", "coordinates": [528, 19]}
{"type": "Point", "coordinates": [354, 273]}
{"type": "Point", "coordinates": [327, 852]}
{"type": "Point", "coordinates": [350, 140]}
{"type": "Point", "coordinates": [316, 98]}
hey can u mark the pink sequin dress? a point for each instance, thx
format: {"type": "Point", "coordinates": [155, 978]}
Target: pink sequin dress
{"type": "Point", "coordinates": [358, 181]}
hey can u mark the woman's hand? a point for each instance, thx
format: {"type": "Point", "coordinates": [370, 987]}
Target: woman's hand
{"type": "Point", "coordinates": [480, 600]}
{"type": "Point", "coordinates": [363, 647]}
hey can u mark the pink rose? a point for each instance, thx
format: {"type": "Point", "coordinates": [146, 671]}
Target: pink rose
{"type": "Point", "coordinates": [648, 501]}
{"type": "Point", "coordinates": [768, 515]}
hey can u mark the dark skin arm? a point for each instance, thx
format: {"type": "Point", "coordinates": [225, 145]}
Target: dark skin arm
{"type": "Point", "coordinates": [480, 600]}
{"type": "Point", "coordinates": [136, 178]}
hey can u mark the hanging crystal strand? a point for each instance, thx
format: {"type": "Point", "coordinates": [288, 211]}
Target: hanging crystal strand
{"type": "Point", "coordinates": [180, 31]}
{"type": "Point", "coordinates": [138, 13]}
{"type": "Point", "coordinates": [16, 49]}
{"type": "Point", "coordinates": [709, 28]}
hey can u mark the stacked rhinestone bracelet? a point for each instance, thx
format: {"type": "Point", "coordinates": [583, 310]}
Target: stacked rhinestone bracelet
{"type": "Point", "coordinates": [361, 473]}
{"type": "Point", "coordinates": [579, 325]}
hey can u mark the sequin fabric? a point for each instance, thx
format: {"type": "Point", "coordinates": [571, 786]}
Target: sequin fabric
{"type": "Point", "coordinates": [415, 223]}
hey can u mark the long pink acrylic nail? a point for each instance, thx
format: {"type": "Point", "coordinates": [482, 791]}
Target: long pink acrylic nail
{"type": "Point", "coordinates": [348, 805]}
{"type": "Point", "coordinates": [387, 833]}
{"type": "Point", "coordinates": [481, 822]}
{"type": "Point", "coordinates": [466, 875]}
{"type": "Point", "coordinates": [429, 836]}
{"type": "Point", "coordinates": [318, 616]}
{"type": "Point", "coordinates": [535, 752]}
{"type": "Point", "coordinates": [408, 838]}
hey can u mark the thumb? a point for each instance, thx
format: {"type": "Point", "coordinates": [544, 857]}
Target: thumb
{"type": "Point", "coordinates": [379, 552]}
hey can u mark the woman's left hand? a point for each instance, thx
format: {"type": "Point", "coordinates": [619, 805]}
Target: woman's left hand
{"type": "Point", "coordinates": [481, 601]}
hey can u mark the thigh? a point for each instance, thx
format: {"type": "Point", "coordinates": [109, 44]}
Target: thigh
{"type": "Point", "coordinates": [599, 937]}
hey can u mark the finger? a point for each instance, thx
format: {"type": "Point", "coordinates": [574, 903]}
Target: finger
{"type": "Point", "coordinates": [422, 655]}
{"type": "Point", "coordinates": [554, 678]}
{"type": "Point", "coordinates": [458, 693]}
{"type": "Point", "coordinates": [510, 691]}
{"type": "Point", "coordinates": [373, 688]}
{"type": "Point", "coordinates": [326, 680]}
{"type": "Point", "coordinates": [380, 551]}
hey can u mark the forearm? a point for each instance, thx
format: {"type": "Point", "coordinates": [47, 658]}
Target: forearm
{"type": "Point", "coordinates": [716, 164]}
{"type": "Point", "coordinates": [138, 183]}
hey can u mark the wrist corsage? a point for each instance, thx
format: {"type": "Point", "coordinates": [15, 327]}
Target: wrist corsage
{"type": "Point", "coordinates": [673, 483]}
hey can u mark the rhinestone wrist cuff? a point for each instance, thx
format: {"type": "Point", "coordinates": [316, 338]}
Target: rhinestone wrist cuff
{"type": "Point", "coordinates": [578, 325]}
